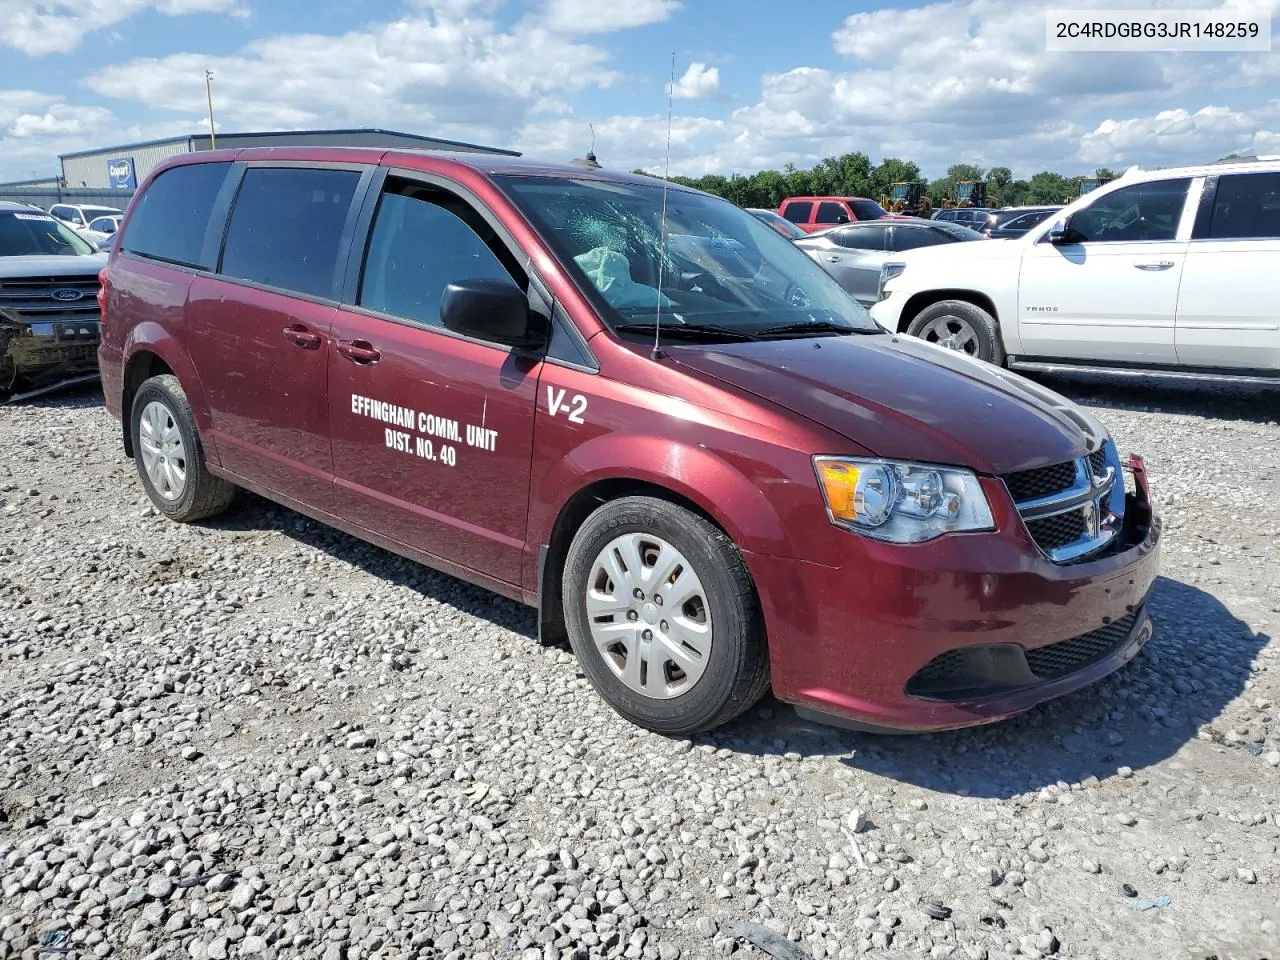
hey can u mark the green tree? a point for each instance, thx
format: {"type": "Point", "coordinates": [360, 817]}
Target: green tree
{"type": "Point", "coordinates": [964, 171]}
{"type": "Point", "coordinates": [889, 171]}
{"type": "Point", "coordinates": [1048, 187]}
{"type": "Point", "coordinates": [1000, 179]}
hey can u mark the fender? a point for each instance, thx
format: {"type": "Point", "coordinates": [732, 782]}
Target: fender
{"type": "Point", "coordinates": [154, 338]}
{"type": "Point", "coordinates": [701, 476]}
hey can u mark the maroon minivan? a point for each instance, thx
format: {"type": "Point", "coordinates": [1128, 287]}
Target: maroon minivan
{"type": "Point", "coordinates": [649, 416]}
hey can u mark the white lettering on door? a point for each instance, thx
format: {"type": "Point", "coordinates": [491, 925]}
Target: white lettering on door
{"type": "Point", "coordinates": [574, 408]}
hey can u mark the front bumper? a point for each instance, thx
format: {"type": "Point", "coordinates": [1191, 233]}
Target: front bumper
{"type": "Point", "coordinates": [888, 312]}
{"type": "Point", "coordinates": [40, 355]}
{"type": "Point", "coordinates": [960, 631]}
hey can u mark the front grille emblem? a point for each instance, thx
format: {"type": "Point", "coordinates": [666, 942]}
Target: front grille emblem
{"type": "Point", "coordinates": [66, 294]}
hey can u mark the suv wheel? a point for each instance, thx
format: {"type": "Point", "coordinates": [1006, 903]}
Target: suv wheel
{"type": "Point", "coordinates": [169, 456]}
{"type": "Point", "coordinates": [961, 326]}
{"type": "Point", "coordinates": [663, 617]}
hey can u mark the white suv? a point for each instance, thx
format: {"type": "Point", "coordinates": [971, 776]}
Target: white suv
{"type": "Point", "coordinates": [1172, 272]}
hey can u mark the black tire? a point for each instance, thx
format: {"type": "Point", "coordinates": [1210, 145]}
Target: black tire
{"type": "Point", "coordinates": [202, 495]}
{"type": "Point", "coordinates": [985, 329]}
{"type": "Point", "coordinates": [736, 672]}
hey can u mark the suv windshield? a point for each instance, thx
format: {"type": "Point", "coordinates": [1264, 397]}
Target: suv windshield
{"type": "Point", "coordinates": [36, 234]}
{"type": "Point", "coordinates": [722, 271]}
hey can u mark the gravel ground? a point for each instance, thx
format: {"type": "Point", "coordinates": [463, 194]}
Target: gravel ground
{"type": "Point", "coordinates": [259, 737]}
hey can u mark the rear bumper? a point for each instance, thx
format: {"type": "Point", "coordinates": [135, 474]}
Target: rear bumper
{"type": "Point", "coordinates": [38, 355]}
{"type": "Point", "coordinates": [961, 631]}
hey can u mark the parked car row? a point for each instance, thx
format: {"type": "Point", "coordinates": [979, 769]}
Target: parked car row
{"type": "Point", "coordinates": [1157, 273]}
{"type": "Point", "coordinates": [48, 302]}
{"type": "Point", "coordinates": [639, 409]}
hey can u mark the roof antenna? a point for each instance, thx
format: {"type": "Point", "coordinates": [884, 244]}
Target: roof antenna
{"type": "Point", "coordinates": [589, 161]}
{"type": "Point", "coordinates": [662, 235]}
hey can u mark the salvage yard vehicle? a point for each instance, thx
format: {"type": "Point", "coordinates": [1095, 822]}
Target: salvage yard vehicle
{"type": "Point", "coordinates": [79, 215]}
{"type": "Point", "coordinates": [855, 252]}
{"type": "Point", "coordinates": [811, 214]}
{"type": "Point", "coordinates": [48, 303]}
{"type": "Point", "coordinates": [1164, 273]}
{"type": "Point", "coordinates": [710, 480]}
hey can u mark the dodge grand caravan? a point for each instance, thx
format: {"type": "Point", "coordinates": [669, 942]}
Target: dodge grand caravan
{"type": "Point", "coordinates": [713, 478]}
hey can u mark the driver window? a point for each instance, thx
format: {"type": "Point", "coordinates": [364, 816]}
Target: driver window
{"type": "Point", "coordinates": [423, 239]}
{"type": "Point", "coordinates": [1144, 211]}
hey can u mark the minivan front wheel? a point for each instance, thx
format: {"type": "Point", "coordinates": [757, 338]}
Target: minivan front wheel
{"type": "Point", "coordinates": [663, 616]}
{"type": "Point", "coordinates": [960, 326]}
{"type": "Point", "coordinates": [169, 455]}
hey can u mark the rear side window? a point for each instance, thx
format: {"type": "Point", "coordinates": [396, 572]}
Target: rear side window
{"type": "Point", "coordinates": [829, 212]}
{"type": "Point", "coordinates": [422, 240]}
{"type": "Point", "coordinates": [908, 238]}
{"type": "Point", "coordinates": [868, 210]}
{"type": "Point", "coordinates": [286, 228]}
{"type": "Point", "coordinates": [169, 220]}
{"type": "Point", "coordinates": [861, 238]}
{"type": "Point", "coordinates": [1246, 207]}
{"type": "Point", "coordinates": [798, 212]}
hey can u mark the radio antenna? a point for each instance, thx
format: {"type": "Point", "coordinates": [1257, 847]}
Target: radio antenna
{"type": "Point", "coordinates": [662, 234]}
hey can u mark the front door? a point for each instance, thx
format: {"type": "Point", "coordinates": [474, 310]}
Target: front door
{"type": "Point", "coordinates": [1113, 295]}
{"type": "Point", "coordinates": [432, 433]}
{"type": "Point", "coordinates": [258, 332]}
{"type": "Point", "coordinates": [1228, 311]}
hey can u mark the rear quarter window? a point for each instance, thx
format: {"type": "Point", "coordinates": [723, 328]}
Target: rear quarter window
{"type": "Point", "coordinates": [286, 228]}
{"type": "Point", "coordinates": [171, 217]}
{"type": "Point", "coordinates": [798, 212]}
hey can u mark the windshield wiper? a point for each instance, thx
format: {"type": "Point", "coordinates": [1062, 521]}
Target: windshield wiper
{"type": "Point", "coordinates": [811, 326]}
{"type": "Point", "coordinates": [696, 331]}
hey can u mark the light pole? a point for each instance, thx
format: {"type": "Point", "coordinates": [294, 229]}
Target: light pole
{"type": "Point", "coordinates": [208, 92]}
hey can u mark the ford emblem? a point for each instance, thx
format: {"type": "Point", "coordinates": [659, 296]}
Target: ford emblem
{"type": "Point", "coordinates": [67, 294]}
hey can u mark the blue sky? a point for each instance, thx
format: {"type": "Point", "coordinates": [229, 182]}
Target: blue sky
{"type": "Point", "coordinates": [761, 82]}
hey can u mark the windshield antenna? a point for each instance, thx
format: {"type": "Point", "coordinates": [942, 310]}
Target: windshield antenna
{"type": "Point", "coordinates": [662, 234]}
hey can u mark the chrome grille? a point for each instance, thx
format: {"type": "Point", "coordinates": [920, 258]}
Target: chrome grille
{"type": "Point", "coordinates": [1073, 509]}
{"type": "Point", "coordinates": [33, 298]}
{"type": "Point", "coordinates": [1056, 532]}
{"type": "Point", "coordinates": [1043, 482]}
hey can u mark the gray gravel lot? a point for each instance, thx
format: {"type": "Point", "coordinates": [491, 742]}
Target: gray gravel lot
{"type": "Point", "coordinates": [260, 737]}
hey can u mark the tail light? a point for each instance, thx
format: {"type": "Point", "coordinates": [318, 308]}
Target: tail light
{"type": "Point", "coordinates": [102, 297]}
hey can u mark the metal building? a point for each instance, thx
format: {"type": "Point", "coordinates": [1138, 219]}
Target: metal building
{"type": "Point", "coordinates": [124, 167]}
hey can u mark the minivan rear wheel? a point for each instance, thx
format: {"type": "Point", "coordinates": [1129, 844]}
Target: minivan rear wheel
{"type": "Point", "coordinates": [169, 455]}
{"type": "Point", "coordinates": [663, 617]}
{"type": "Point", "coordinates": [961, 326]}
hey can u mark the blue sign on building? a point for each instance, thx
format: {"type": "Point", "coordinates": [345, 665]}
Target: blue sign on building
{"type": "Point", "coordinates": [120, 172]}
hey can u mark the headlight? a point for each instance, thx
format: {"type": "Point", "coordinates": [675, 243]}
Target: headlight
{"type": "Point", "coordinates": [901, 502]}
{"type": "Point", "coordinates": [887, 272]}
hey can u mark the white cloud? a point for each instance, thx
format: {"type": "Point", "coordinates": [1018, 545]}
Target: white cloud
{"type": "Point", "coordinates": [448, 73]}
{"type": "Point", "coordinates": [35, 127]}
{"type": "Point", "coordinates": [698, 82]}
{"type": "Point", "coordinates": [602, 16]}
{"type": "Point", "coordinates": [38, 29]}
{"type": "Point", "coordinates": [1179, 136]}
{"type": "Point", "coordinates": [628, 142]}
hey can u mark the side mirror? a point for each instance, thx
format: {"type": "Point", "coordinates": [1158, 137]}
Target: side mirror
{"type": "Point", "coordinates": [842, 218]}
{"type": "Point", "coordinates": [1062, 233]}
{"type": "Point", "coordinates": [490, 310]}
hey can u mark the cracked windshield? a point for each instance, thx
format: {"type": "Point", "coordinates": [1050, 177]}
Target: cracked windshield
{"type": "Point", "coordinates": [716, 271]}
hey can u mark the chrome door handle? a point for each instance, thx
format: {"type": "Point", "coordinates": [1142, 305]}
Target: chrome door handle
{"type": "Point", "coordinates": [1158, 265]}
{"type": "Point", "coordinates": [833, 259]}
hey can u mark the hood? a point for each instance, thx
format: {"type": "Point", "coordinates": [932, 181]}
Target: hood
{"type": "Point", "coordinates": [902, 398]}
{"type": "Point", "coordinates": [52, 265]}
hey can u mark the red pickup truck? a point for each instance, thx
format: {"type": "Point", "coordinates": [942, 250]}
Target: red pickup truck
{"type": "Point", "coordinates": [701, 462]}
{"type": "Point", "coordinates": [812, 214]}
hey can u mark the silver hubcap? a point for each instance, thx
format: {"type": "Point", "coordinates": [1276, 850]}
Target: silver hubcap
{"type": "Point", "coordinates": [649, 615]}
{"type": "Point", "coordinates": [164, 456]}
{"type": "Point", "coordinates": [952, 333]}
